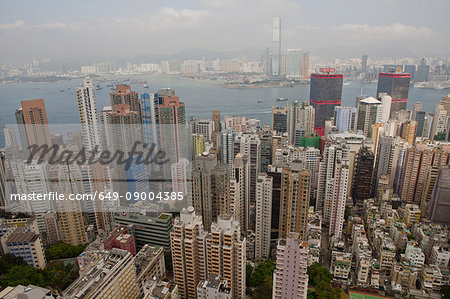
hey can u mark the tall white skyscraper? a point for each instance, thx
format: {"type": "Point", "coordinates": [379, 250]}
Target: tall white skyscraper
{"type": "Point", "coordinates": [33, 178]}
{"type": "Point", "coordinates": [341, 184]}
{"type": "Point", "coordinates": [107, 133]}
{"type": "Point", "coordinates": [333, 154]}
{"type": "Point", "coordinates": [294, 64]}
{"type": "Point", "coordinates": [263, 216]}
{"type": "Point", "coordinates": [290, 279]}
{"type": "Point", "coordinates": [386, 101]}
{"type": "Point", "coordinates": [276, 46]}
{"type": "Point", "coordinates": [10, 137]}
{"type": "Point", "coordinates": [345, 118]}
{"type": "Point", "coordinates": [240, 177]}
{"type": "Point", "coordinates": [179, 177]}
{"type": "Point", "coordinates": [87, 107]}
{"type": "Point", "coordinates": [439, 121]}
{"type": "Point", "coordinates": [227, 137]}
{"type": "Point", "coordinates": [370, 111]}
{"type": "Point", "coordinates": [250, 144]}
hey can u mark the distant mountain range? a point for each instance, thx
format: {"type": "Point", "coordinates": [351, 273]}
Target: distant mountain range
{"type": "Point", "coordinates": [253, 53]}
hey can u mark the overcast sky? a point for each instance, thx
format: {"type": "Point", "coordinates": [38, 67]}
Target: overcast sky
{"type": "Point", "coordinates": [119, 28]}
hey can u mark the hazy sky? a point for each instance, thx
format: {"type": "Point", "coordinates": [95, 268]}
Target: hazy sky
{"type": "Point", "coordinates": [113, 28]}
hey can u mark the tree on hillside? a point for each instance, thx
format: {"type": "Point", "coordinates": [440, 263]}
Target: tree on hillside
{"type": "Point", "coordinates": [326, 291]}
{"type": "Point", "coordinates": [64, 251]}
{"type": "Point", "coordinates": [317, 273]}
{"type": "Point", "coordinates": [23, 275]}
{"type": "Point", "coordinates": [7, 261]}
{"type": "Point", "coordinates": [261, 272]}
{"type": "Point", "coordinates": [248, 273]}
{"type": "Point", "coordinates": [264, 290]}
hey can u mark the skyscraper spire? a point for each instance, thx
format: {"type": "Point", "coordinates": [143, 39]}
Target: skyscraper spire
{"type": "Point", "coordinates": [276, 46]}
{"type": "Point", "coordinates": [87, 107]}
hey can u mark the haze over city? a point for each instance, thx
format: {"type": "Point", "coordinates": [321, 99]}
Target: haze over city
{"type": "Point", "coordinates": [86, 30]}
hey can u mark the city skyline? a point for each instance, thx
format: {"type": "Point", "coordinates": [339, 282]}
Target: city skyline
{"type": "Point", "coordinates": [199, 24]}
{"type": "Point", "coordinates": [278, 174]}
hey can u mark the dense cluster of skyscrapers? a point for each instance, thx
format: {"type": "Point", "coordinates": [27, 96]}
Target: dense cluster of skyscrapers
{"type": "Point", "coordinates": [364, 190]}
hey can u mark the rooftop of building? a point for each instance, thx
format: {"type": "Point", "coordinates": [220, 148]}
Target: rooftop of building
{"type": "Point", "coordinates": [188, 217]}
{"type": "Point", "coordinates": [370, 100]}
{"type": "Point", "coordinates": [160, 288]}
{"type": "Point", "coordinates": [115, 233]}
{"type": "Point", "coordinates": [28, 292]}
{"type": "Point", "coordinates": [22, 236]}
{"type": "Point", "coordinates": [145, 256]}
{"type": "Point", "coordinates": [96, 273]}
{"type": "Point", "coordinates": [347, 136]}
{"type": "Point", "coordinates": [214, 282]}
{"type": "Point", "coordinates": [134, 217]}
{"type": "Point", "coordinates": [6, 224]}
{"type": "Point", "coordinates": [122, 89]}
{"type": "Point", "coordinates": [225, 223]}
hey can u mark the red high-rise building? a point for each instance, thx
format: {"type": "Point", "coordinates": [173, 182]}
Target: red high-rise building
{"type": "Point", "coordinates": [35, 121]}
{"type": "Point", "coordinates": [124, 95]}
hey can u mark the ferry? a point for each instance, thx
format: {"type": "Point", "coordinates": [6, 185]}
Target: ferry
{"type": "Point", "coordinates": [282, 99]}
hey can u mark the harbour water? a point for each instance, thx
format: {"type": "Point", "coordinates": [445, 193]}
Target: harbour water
{"type": "Point", "coordinates": [200, 97]}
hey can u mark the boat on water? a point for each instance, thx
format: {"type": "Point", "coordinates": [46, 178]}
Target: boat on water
{"type": "Point", "coordinates": [259, 101]}
{"type": "Point", "coordinates": [282, 99]}
{"type": "Point", "coordinates": [346, 83]}
{"type": "Point", "coordinates": [61, 90]}
{"type": "Point", "coordinates": [98, 87]}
